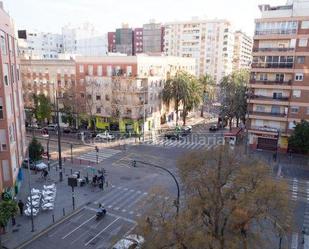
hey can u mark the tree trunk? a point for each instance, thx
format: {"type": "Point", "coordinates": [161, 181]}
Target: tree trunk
{"type": "Point", "coordinates": [230, 123]}
{"type": "Point", "coordinates": [176, 109]}
{"type": "Point", "coordinates": [237, 122]}
{"type": "Point", "coordinates": [202, 111]}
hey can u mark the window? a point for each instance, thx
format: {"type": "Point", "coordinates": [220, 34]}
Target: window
{"type": "Point", "coordinates": [263, 76]}
{"type": "Point", "coordinates": [294, 109]}
{"type": "Point", "coordinates": [129, 70]}
{"type": "Point", "coordinates": [6, 73]}
{"type": "Point", "coordinates": [3, 43]}
{"type": "Point", "coordinates": [100, 71]}
{"type": "Point", "coordinates": [98, 109]}
{"type": "Point", "coordinates": [279, 77]}
{"type": "Point", "coordinates": [260, 108]}
{"type": "Point", "coordinates": [98, 97]}
{"type": "Point", "coordinates": [109, 70]}
{"type": "Point", "coordinates": [107, 97]}
{"type": "Point", "coordinates": [296, 93]}
{"type": "Point", "coordinates": [1, 108]}
{"type": "Point", "coordinates": [300, 59]}
{"type": "Point", "coordinates": [303, 42]}
{"type": "Point", "coordinates": [81, 68]}
{"type": "Point", "coordinates": [292, 125]}
{"type": "Point", "coordinates": [90, 69]}
{"type": "Point", "coordinates": [89, 96]}
{"type": "Point", "coordinates": [82, 95]}
{"type": "Point", "coordinates": [299, 77]}
{"type": "Point", "coordinates": [305, 24]}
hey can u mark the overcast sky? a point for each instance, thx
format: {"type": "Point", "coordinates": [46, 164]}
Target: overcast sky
{"type": "Point", "coordinates": [106, 15]}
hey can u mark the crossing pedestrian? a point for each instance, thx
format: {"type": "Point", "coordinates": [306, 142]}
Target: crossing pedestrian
{"type": "Point", "coordinates": [21, 206]}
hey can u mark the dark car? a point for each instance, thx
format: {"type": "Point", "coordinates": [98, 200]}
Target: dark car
{"type": "Point", "coordinates": [213, 128]}
{"type": "Point", "coordinates": [25, 164]}
{"type": "Point", "coordinates": [70, 130]}
{"type": "Point", "coordinates": [173, 136]}
{"type": "Point", "coordinates": [185, 130]}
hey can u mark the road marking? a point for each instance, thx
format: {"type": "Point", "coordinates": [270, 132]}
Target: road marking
{"type": "Point", "coordinates": [101, 232]}
{"type": "Point", "coordinates": [294, 244]}
{"type": "Point", "coordinates": [78, 227]}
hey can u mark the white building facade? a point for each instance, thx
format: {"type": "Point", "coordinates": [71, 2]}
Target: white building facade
{"type": "Point", "coordinates": [242, 51]}
{"type": "Point", "coordinates": [210, 42]}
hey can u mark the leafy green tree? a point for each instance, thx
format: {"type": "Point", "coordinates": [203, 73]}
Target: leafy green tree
{"type": "Point", "coordinates": [233, 96]}
{"type": "Point", "coordinates": [208, 90]}
{"type": "Point", "coordinates": [299, 140]}
{"type": "Point", "coordinates": [192, 97]}
{"type": "Point", "coordinates": [35, 150]}
{"type": "Point", "coordinates": [8, 209]}
{"type": "Point", "coordinates": [179, 90]}
{"type": "Point", "coordinates": [42, 107]}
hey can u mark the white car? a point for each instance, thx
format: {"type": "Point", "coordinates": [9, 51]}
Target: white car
{"type": "Point", "coordinates": [40, 166]}
{"type": "Point", "coordinates": [106, 136]}
{"type": "Point", "coordinates": [132, 241]}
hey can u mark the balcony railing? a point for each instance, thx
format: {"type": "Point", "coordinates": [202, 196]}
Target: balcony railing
{"type": "Point", "coordinates": [268, 114]}
{"type": "Point", "coordinates": [269, 98]}
{"type": "Point", "coordinates": [271, 82]}
{"type": "Point", "coordinates": [273, 49]}
{"type": "Point", "coordinates": [273, 65]}
{"type": "Point", "coordinates": [264, 128]}
{"type": "Point", "coordinates": [276, 32]}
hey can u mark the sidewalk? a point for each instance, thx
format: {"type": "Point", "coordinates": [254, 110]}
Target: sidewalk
{"type": "Point", "coordinates": [21, 232]}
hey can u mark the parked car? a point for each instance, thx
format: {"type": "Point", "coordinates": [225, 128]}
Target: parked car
{"type": "Point", "coordinates": [70, 130]}
{"type": "Point", "coordinates": [39, 165]}
{"type": "Point", "coordinates": [185, 130]}
{"type": "Point", "coordinates": [25, 163]}
{"type": "Point", "coordinates": [51, 127]}
{"type": "Point", "coordinates": [213, 128]}
{"type": "Point", "coordinates": [105, 136]}
{"type": "Point", "coordinates": [132, 241]}
{"type": "Point", "coordinates": [173, 136]}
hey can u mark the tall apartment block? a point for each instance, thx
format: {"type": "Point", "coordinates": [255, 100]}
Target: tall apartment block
{"type": "Point", "coordinates": [242, 51]}
{"type": "Point", "coordinates": [124, 92]}
{"type": "Point", "coordinates": [280, 74]}
{"type": "Point", "coordinates": [12, 126]}
{"type": "Point", "coordinates": [148, 39]}
{"type": "Point", "coordinates": [209, 42]}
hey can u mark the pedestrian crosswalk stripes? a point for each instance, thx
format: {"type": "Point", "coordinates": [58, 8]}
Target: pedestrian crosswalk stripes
{"type": "Point", "coordinates": [179, 144]}
{"type": "Point", "coordinates": [99, 156]}
{"type": "Point", "coordinates": [125, 200]}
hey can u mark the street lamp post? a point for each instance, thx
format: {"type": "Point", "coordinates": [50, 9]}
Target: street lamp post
{"type": "Point", "coordinates": [48, 158]}
{"type": "Point", "coordinates": [170, 173]}
{"type": "Point", "coordinates": [29, 186]}
{"type": "Point", "coordinates": [59, 140]}
{"type": "Point", "coordinates": [71, 153]}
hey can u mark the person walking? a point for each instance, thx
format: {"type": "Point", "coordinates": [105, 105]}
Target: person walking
{"type": "Point", "coordinates": [21, 206]}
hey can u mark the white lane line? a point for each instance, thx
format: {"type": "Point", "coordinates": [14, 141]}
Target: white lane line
{"type": "Point", "coordinates": [89, 241]}
{"type": "Point", "coordinates": [78, 227]}
{"type": "Point", "coordinates": [294, 244]}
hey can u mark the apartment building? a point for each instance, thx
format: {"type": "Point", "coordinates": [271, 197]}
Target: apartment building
{"type": "Point", "coordinates": [153, 37]}
{"type": "Point", "coordinates": [12, 128]}
{"type": "Point", "coordinates": [124, 92]}
{"type": "Point", "coordinates": [41, 45]}
{"type": "Point", "coordinates": [124, 40]}
{"type": "Point", "coordinates": [242, 51]}
{"type": "Point", "coordinates": [46, 77]}
{"type": "Point", "coordinates": [138, 46]}
{"type": "Point", "coordinates": [209, 42]}
{"type": "Point", "coordinates": [111, 40]}
{"type": "Point", "coordinates": [280, 74]}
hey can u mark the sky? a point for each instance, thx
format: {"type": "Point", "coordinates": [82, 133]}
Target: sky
{"type": "Point", "coordinates": [106, 15]}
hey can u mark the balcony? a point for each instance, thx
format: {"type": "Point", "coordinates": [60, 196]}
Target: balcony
{"type": "Point", "coordinates": [276, 32]}
{"type": "Point", "coordinates": [273, 50]}
{"type": "Point", "coordinates": [273, 65]}
{"type": "Point", "coordinates": [265, 129]}
{"type": "Point", "coordinates": [269, 98]}
{"type": "Point", "coordinates": [271, 82]}
{"type": "Point", "coordinates": [268, 114]}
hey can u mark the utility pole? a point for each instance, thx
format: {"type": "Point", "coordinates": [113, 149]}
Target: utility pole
{"type": "Point", "coordinates": [144, 121]}
{"type": "Point", "coordinates": [59, 140]}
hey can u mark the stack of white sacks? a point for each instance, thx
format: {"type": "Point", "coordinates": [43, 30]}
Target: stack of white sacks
{"type": "Point", "coordinates": [48, 197]}
{"type": "Point", "coordinates": [36, 199]}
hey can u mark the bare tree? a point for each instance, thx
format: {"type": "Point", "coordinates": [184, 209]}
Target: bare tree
{"type": "Point", "coordinates": [230, 201]}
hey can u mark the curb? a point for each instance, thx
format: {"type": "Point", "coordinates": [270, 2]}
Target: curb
{"type": "Point", "coordinates": [50, 227]}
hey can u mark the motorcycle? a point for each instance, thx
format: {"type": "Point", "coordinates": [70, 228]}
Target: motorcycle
{"type": "Point", "coordinates": [100, 214]}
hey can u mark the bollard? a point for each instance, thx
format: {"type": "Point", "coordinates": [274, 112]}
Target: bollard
{"type": "Point", "coordinates": [53, 217]}
{"type": "Point", "coordinates": [63, 211]}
